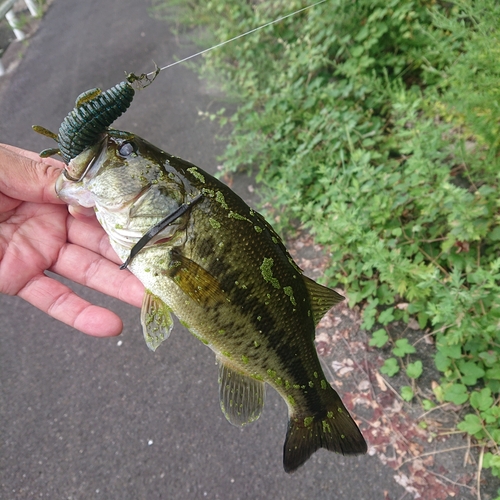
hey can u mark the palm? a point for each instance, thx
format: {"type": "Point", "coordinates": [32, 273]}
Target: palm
{"type": "Point", "coordinates": [40, 235]}
{"type": "Point", "coordinates": [31, 238]}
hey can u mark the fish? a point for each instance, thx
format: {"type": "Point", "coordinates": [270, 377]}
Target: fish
{"type": "Point", "coordinates": [204, 255]}
{"type": "Point", "coordinates": [207, 257]}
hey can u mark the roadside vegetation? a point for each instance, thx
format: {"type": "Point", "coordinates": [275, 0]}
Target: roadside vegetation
{"type": "Point", "coordinates": [376, 124]}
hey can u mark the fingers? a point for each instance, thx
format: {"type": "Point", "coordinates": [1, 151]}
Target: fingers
{"type": "Point", "coordinates": [26, 177]}
{"type": "Point", "coordinates": [90, 269]}
{"type": "Point", "coordinates": [81, 213]}
{"type": "Point", "coordinates": [88, 233]}
{"type": "Point", "coordinates": [6, 205]}
{"type": "Point", "coordinates": [63, 304]}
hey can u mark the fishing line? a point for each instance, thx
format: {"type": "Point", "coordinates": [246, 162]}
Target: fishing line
{"type": "Point", "coordinates": [237, 37]}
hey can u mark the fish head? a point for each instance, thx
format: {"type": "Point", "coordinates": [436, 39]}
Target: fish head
{"type": "Point", "coordinates": [131, 186]}
{"type": "Point", "coordinates": [115, 172]}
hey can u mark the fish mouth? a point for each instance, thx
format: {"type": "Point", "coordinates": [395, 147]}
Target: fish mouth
{"type": "Point", "coordinates": [72, 193]}
{"type": "Point", "coordinates": [68, 185]}
{"type": "Point", "coordinates": [78, 167]}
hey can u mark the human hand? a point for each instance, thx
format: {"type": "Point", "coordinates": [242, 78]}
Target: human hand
{"type": "Point", "coordinates": [38, 234]}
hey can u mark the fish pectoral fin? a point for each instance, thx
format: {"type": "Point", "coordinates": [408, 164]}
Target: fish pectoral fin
{"type": "Point", "coordinates": [156, 320]}
{"type": "Point", "coordinates": [322, 298]}
{"type": "Point", "coordinates": [241, 397]}
{"type": "Point", "coordinates": [195, 281]}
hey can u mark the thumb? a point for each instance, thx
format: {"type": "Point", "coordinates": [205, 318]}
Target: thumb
{"type": "Point", "coordinates": [25, 176]}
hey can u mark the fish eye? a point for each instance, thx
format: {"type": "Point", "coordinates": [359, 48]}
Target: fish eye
{"type": "Point", "coordinates": [126, 149]}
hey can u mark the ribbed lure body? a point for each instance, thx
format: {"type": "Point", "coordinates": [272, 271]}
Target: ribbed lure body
{"type": "Point", "coordinates": [93, 113]}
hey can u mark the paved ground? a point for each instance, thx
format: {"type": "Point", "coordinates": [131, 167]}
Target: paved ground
{"type": "Point", "coordinates": [85, 418]}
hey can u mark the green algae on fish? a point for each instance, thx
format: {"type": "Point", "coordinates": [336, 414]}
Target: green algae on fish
{"type": "Point", "coordinates": [225, 273]}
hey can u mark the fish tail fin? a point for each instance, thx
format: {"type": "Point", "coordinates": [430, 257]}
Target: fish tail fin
{"type": "Point", "coordinates": [334, 430]}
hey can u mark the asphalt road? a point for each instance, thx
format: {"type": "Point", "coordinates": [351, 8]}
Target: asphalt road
{"type": "Point", "coordinates": [85, 418]}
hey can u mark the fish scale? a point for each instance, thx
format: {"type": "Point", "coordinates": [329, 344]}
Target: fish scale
{"type": "Point", "coordinates": [225, 273]}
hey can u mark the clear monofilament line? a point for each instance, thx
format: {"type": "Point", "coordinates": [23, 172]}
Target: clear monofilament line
{"type": "Point", "coordinates": [239, 36]}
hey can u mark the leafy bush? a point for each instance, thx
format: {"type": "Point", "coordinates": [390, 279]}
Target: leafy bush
{"type": "Point", "coordinates": [376, 124]}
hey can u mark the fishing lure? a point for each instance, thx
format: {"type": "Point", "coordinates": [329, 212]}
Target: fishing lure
{"type": "Point", "coordinates": [94, 112]}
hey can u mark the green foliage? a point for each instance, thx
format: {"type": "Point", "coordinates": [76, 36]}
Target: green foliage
{"type": "Point", "coordinates": [407, 393]}
{"type": "Point", "coordinates": [379, 338]}
{"type": "Point", "coordinates": [455, 393]}
{"type": "Point", "coordinates": [471, 424]}
{"type": "Point", "coordinates": [481, 400]}
{"type": "Point", "coordinates": [428, 404]}
{"type": "Point", "coordinates": [390, 367]}
{"type": "Point", "coordinates": [492, 461]}
{"type": "Point", "coordinates": [414, 370]}
{"type": "Point", "coordinates": [376, 123]}
{"type": "Point", "coordinates": [403, 347]}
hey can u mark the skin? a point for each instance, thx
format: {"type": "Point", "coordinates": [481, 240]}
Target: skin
{"type": "Point", "coordinates": [38, 234]}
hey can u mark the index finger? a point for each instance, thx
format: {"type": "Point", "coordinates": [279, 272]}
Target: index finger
{"type": "Point", "coordinates": [60, 302]}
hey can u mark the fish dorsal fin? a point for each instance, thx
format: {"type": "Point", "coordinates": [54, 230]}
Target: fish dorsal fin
{"type": "Point", "coordinates": [156, 320]}
{"type": "Point", "coordinates": [241, 397]}
{"type": "Point", "coordinates": [322, 298]}
{"type": "Point", "coordinates": [195, 281]}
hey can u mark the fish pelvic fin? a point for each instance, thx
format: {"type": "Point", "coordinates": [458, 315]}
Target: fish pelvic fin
{"type": "Point", "coordinates": [334, 430]}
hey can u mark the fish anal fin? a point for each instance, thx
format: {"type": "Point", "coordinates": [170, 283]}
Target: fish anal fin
{"type": "Point", "coordinates": [156, 320]}
{"type": "Point", "coordinates": [322, 298]}
{"type": "Point", "coordinates": [195, 281]}
{"type": "Point", "coordinates": [241, 397]}
{"type": "Point", "coordinates": [334, 430]}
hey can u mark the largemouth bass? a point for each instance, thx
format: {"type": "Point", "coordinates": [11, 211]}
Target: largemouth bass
{"type": "Point", "coordinates": [225, 273]}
